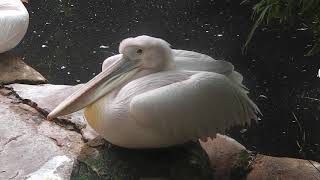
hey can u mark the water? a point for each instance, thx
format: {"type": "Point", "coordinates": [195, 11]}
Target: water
{"type": "Point", "coordinates": [68, 40]}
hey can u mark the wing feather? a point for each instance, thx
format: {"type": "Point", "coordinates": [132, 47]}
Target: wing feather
{"type": "Point", "coordinates": [189, 60]}
{"type": "Point", "coordinates": [201, 106]}
{"type": "Point", "coordinates": [194, 61]}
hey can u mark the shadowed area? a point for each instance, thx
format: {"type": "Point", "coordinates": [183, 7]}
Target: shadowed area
{"type": "Point", "coordinates": [106, 161]}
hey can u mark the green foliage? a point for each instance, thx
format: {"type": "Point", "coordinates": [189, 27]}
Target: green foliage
{"type": "Point", "coordinates": [287, 13]}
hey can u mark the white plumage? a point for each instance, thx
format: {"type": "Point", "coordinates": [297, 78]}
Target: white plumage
{"type": "Point", "coordinates": [151, 96]}
{"type": "Point", "coordinates": [14, 20]}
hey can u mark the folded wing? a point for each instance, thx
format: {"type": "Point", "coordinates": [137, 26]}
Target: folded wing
{"type": "Point", "coordinates": [199, 107]}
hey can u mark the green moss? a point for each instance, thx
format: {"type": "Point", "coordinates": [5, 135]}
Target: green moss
{"type": "Point", "coordinates": [242, 165]}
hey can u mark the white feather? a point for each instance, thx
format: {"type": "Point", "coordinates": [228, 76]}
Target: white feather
{"type": "Point", "coordinates": [201, 106]}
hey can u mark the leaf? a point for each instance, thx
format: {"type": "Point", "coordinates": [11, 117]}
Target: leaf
{"type": "Point", "coordinates": [255, 26]}
{"type": "Point", "coordinates": [307, 5]}
{"type": "Point", "coordinates": [315, 49]}
{"type": "Point", "coordinates": [244, 2]}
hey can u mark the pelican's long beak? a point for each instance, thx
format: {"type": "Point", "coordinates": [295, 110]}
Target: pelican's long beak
{"type": "Point", "coordinates": [116, 74]}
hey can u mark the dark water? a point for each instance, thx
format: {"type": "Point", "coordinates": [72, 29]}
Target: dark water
{"type": "Point", "coordinates": [68, 40]}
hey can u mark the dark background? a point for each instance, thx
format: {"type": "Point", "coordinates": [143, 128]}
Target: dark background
{"type": "Point", "coordinates": [68, 40]}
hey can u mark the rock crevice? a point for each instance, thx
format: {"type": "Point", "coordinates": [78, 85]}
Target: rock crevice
{"type": "Point", "coordinates": [64, 123]}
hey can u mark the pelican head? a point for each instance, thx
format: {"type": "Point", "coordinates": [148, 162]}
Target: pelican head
{"type": "Point", "coordinates": [154, 53]}
{"type": "Point", "coordinates": [136, 54]}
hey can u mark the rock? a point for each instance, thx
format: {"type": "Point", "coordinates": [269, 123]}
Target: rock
{"type": "Point", "coordinates": [223, 153]}
{"type": "Point", "coordinates": [28, 142]}
{"type": "Point", "coordinates": [269, 168]}
{"type": "Point", "coordinates": [13, 69]}
{"type": "Point", "coordinates": [46, 97]}
{"type": "Point", "coordinates": [230, 160]}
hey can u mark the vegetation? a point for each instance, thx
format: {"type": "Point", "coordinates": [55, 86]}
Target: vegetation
{"type": "Point", "coordinates": [288, 13]}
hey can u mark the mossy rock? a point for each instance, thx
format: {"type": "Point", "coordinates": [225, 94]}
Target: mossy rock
{"type": "Point", "coordinates": [188, 162]}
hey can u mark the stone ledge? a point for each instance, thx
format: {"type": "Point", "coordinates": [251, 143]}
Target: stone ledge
{"type": "Point", "coordinates": [14, 70]}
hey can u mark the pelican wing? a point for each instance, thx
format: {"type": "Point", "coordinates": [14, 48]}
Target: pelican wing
{"type": "Point", "coordinates": [193, 61]}
{"type": "Point", "coordinates": [197, 107]}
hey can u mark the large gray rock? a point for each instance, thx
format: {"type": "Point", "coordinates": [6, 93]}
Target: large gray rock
{"type": "Point", "coordinates": [45, 97]}
{"type": "Point", "coordinates": [29, 144]}
{"type": "Point", "coordinates": [13, 69]}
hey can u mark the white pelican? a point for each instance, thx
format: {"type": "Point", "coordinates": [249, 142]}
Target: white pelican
{"type": "Point", "coordinates": [152, 96]}
{"type": "Point", "coordinates": [14, 20]}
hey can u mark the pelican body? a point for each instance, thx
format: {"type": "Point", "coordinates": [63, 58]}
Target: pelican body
{"type": "Point", "coordinates": [152, 96]}
{"type": "Point", "coordinates": [14, 21]}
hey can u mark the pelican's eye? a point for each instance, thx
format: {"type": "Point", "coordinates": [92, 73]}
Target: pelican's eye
{"type": "Point", "coordinates": [139, 51]}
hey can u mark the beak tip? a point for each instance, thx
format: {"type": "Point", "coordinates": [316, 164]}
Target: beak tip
{"type": "Point", "coordinates": [50, 117]}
